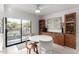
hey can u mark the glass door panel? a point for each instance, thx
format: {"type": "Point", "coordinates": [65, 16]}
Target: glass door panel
{"type": "Point", "coordinates": [13, 31]}
{"type": "Point", "coordinates": [26, 26]}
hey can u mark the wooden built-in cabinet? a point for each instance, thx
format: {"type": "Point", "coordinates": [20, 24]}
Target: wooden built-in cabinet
{"type": "Point", "coordinates": [68, 37]}
{"type": "Point", "coordinates": [70, 30]}
{"type": "Point", "coordinates": [41, 25]}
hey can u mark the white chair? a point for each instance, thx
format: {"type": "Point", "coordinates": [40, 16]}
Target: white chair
{"type": "Point", "coordinates": [46, 47]}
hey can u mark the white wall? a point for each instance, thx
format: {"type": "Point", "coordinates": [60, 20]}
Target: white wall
{"type": "Point", "coordinates": [61, 14]}
{"type": "Point", "coordinates": [1, 10]}
{"type": "Point", "coordinates": [1, 34]}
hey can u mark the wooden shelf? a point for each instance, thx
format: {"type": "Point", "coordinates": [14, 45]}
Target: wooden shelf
{"type": "Point", "coordinates": [41, 25]}
{"type": "Point", "coordinates": [70, 30]}
{"type": "Point", "coordinates": [70, 22]}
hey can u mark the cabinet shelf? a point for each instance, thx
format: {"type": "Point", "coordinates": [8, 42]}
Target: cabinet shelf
{"type": "Point", "coordinates": [70, 22]}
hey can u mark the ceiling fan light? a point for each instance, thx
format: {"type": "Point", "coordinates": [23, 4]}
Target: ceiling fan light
{"type": "Point", "coordinates": [37, 11]}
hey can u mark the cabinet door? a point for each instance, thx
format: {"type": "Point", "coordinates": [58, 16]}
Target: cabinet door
{"type": "Point", "coordinates": [70, 40]}
{"type": "Point", "coordinates": [59, 39]}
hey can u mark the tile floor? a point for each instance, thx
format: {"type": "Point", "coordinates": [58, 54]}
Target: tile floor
{"type": "Point", "coordinates": [20, 49]}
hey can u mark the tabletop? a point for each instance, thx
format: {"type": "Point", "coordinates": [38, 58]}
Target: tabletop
{"type": "Point", "coordinates": [38, 38]}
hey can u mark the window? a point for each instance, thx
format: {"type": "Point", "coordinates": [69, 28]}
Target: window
{"type": "Point", "coordinates": [54, 24]}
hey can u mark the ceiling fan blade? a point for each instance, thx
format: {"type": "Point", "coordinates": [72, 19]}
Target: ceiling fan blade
{"type": "Point", "coordinates": [44, 7]}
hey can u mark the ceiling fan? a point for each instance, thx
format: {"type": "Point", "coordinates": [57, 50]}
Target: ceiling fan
{"type": "Point", "coordinates": [39, 7]}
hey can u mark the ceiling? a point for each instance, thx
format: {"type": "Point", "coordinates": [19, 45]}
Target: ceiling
{"type": "Point", "coordinates": [44, 8]}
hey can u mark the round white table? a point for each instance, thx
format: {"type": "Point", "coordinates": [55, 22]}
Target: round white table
{"type": "Point", "coordinates": [38, 38]}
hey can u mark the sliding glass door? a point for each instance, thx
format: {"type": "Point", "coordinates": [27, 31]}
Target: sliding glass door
{"type": "Point", "coordinates": [16, 30]}
{"type": "Point", "coordinates": [13, 31]}
{"type": "Point", "coordinates": [26, 26]}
